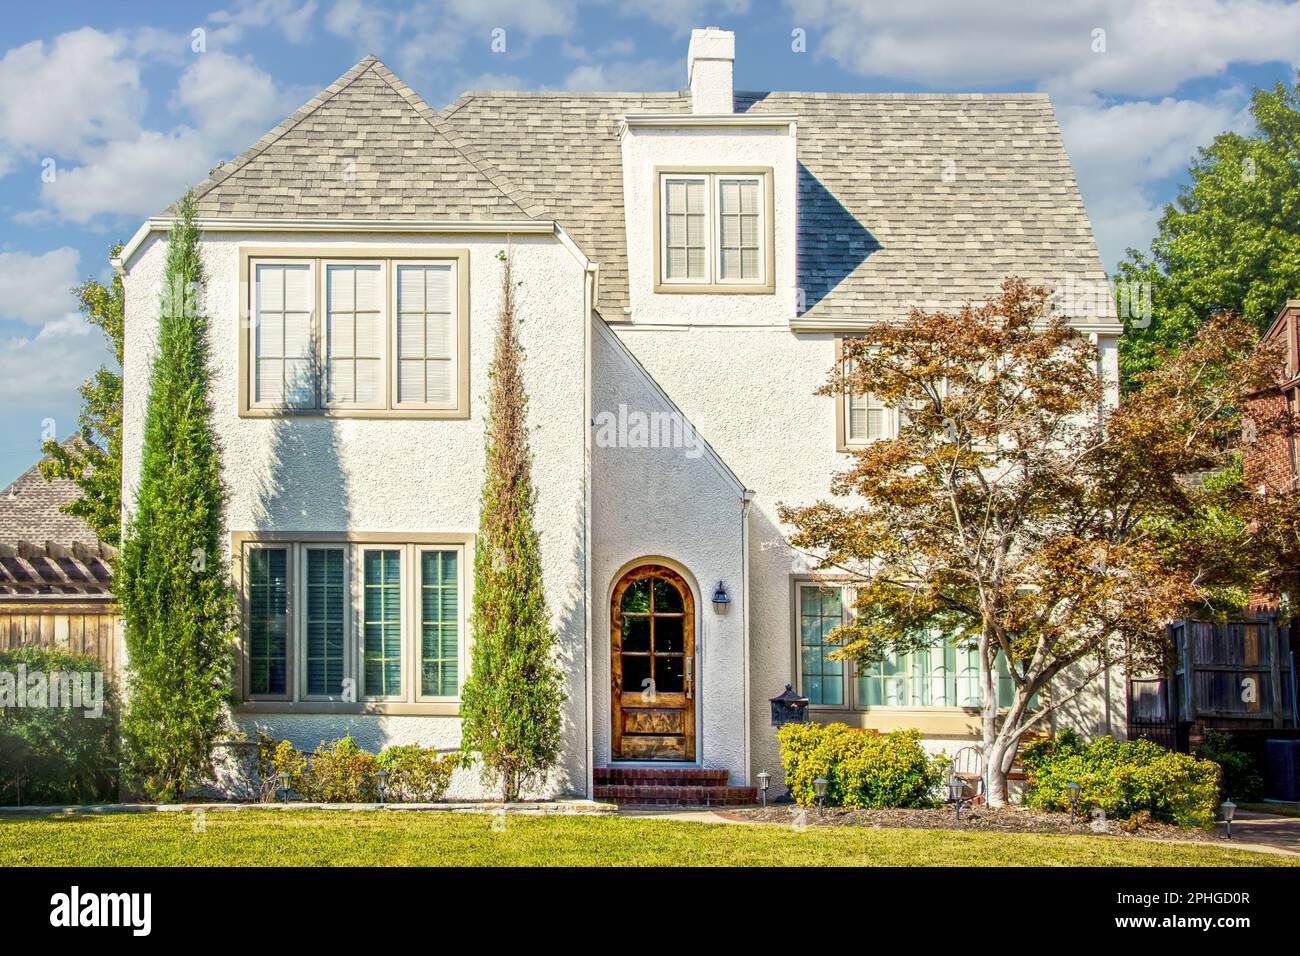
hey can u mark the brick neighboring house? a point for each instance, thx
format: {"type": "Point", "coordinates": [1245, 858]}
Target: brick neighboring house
{"type": "Point", "coordinates": [54, 573]}
{"type": "Point", "coordinates": [1271, 463]}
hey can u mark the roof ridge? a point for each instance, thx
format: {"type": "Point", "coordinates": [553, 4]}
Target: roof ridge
{"type": "Point", "coordinates": [226, 170]}
{"type": "Point", "coordinates": [472, 156]}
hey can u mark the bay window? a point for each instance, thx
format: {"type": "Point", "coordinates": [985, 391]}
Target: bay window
{"type": "Point", "coordinates": [944, 674]}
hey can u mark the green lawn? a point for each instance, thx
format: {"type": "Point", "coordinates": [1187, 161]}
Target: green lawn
{"type": "Point", "coordinates": [318, 838]}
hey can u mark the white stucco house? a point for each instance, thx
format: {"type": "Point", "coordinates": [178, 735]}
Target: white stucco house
{"type": "Point", "coordinates": [686, 264]}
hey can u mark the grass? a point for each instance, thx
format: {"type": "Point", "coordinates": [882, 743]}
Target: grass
{"type": "Point", "coordinates": [361, 838]}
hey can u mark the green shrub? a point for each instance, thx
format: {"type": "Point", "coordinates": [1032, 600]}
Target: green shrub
{"type": "Point", "coordinates": [340, 772]}
{"type": "Point", "coordinates": [1122, 778]}
{"type": "Point", "coordinates": [275, 758]}
{"type": "Point", "coordinates": [415, 774]}
{"type": "Point", "coordinates": [864, 769]}
{"type": "Point", "coordinates": [1241, 776]}
{"type": "Point", "coordinates": [56, 754]}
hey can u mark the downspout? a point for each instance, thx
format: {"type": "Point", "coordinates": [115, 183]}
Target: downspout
{"type": "Point", "coordinates": [588, 304]}
{"type": "Point", "coordinates": [747, 498]}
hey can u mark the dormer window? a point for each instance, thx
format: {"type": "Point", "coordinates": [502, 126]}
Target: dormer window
{"type": "Point", "coordinates": [713, 230]}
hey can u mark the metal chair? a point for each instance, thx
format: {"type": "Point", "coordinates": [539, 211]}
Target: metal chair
{"type": "Point", "coordinates": [968, 767]}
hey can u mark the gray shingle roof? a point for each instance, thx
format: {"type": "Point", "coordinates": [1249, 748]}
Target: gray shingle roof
{"type": "Point", "coordinates": [29, 511]}
{"type": "Point", "coordinates": [365, 147]}
{"type": "Point", "coordinates": [29, 518]}
{"type": "Point", "coordinates": [904, 199]}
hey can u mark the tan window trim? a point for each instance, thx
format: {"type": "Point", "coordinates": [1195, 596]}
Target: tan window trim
{"type": "Point", "coordinates": [768, 286]}
{"type": "Point", "coordinates": [388, 256]}
{"type": "Point", "coordinates": [296, 701]}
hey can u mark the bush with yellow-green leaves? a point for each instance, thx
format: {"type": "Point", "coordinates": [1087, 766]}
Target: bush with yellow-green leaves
{"type": "Point", "coordinates": [864, 769]}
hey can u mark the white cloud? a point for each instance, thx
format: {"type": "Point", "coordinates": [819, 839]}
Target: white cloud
{"type": "Point", "coordinates": [68, 97]}
{"type": "Point", "coordinates": [1120, 147]}
{"type": "Point", "coordinates": [230, 103]}
{"type": "Point", "coordinates": [229, 99]}
{"type": "Point", "coordinates": [290, 18]}
{"type": "Point", "coordinates": [37, 289]}
{"type": "Point", "coordinates": [1151, 46]}
{"type": "Point", "coordinates": [34, 370]}
{"type": "Point", "coordinates": [627, 75]}
{"type": "Point", "coordinates": [682, 16]}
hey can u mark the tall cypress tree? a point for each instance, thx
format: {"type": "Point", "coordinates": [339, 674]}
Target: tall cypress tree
{"type": "Point", "coordinates": [172, 580]}
{"type": "Point", "coordinates": [511, 702]}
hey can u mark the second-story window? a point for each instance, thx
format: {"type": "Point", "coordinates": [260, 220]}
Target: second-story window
{"type": "Point", "coordinates": [714, 231]}
{"type": "Point", "coordinates": [368, 337]}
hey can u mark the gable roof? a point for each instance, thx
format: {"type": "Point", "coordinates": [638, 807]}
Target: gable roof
{"type": "Point", "coordinates": [905, 199]}
{"type": "Point", "coordinates": [365, 147]}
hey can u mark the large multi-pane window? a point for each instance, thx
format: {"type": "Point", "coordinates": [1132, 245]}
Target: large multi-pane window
{"type": "Point", "coordinates": [945, 674]}
{"type": "Point", "coordinates": [351, 621]}
{"type": "Point", "coordinates": [714, 231]}
{"type": "Point", "coordinates": [364, 336]}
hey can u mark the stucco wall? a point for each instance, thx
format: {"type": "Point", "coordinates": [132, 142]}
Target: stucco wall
{"type": "Point", "coordinates": [674, 506]}
{"type": "Point", "coordinates": [646, 149]}
{"type": "Point", "coordinates": [411, 475]}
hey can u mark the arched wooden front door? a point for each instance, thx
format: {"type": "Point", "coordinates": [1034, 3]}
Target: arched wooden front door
{"type": "Point", "coordinates": [652, 659]}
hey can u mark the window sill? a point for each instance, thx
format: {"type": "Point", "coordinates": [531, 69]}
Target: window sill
{"type": "Point", "coordinates": [443, 414]}
{"type": "Point", "coordinates": [376, 708]}
{"type": "Point", "coordinates": [708, 288]}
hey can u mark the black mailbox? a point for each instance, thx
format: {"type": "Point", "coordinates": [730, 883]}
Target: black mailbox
{"type": "Point", "coordinates": [789, 708]}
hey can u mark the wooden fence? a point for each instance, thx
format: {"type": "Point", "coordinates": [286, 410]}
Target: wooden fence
{"type": "Point", "coordinates": [84, 628]}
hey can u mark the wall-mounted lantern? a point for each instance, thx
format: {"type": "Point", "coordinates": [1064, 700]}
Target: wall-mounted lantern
{"type": "Point", "coordinates": [721, 599]}
{"type": "Point", "coordinates": [789, 708]}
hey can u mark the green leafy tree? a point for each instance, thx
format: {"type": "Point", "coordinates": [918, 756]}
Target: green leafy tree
{"type": "Point", "coordinates": [1012, 518]}
{"type": "Point", "coordinates": [1229, 242]}
{"type": "Point", "coordinates": [172, 580]}
{"type": "Point", "coordinates": [94, 462]}
{"type": "Point", "coordinates": [511, 702]}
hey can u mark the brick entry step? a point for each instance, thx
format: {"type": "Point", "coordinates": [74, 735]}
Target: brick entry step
{"type": "Point", "coordinates": [670, 787]}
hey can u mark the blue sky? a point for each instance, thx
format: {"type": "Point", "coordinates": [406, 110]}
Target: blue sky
{"type": "Point", "coordinates": [126, 104]}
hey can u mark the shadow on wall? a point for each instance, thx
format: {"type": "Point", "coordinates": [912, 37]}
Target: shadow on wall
{"type": "Point", "coordinates": [832, 243]}
{"type": "Point", "coordinates": [303, 486]}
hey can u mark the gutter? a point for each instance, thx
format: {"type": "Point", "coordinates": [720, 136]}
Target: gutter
{"type": "Point", "coordinates": [543, 227]}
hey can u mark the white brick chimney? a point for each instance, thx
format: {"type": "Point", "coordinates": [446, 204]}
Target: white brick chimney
{"type": "Point", "coordinates": [708, 69]}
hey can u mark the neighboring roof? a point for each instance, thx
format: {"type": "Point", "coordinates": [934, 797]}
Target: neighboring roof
{"type": "Point", "coordinates": [365, 147]}
{"type": "Point", "coordinates": [904, 198]}
{"type": "Point", "coordinates": [42, 550]}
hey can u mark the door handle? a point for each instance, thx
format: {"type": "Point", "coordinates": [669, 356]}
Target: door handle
{"type": "Point", "coordinates": [690, 678]}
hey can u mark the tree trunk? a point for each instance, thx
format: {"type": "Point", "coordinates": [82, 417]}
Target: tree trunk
{"type": "Point", "coordinates": [995, 779]}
